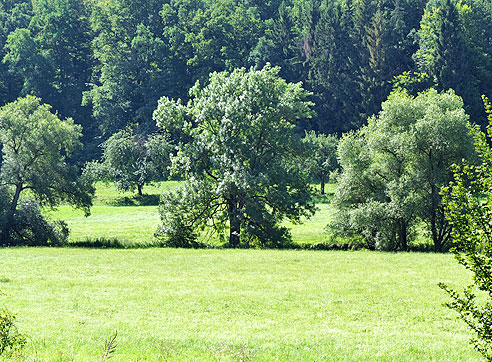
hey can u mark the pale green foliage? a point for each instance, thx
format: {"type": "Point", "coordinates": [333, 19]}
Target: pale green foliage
{"type": "Point", "coordinates": [131, 161]}
{"type": "Point", "coordinates": [243, 160]}
{"type": "Point", "coordinates": [35, 143]}
{"type": "Point", "coordinates": [322, 156]}
{"type": "Point", "coordinates": [468, 205]}
{"type": "Point", "coordinates": [393, 169]}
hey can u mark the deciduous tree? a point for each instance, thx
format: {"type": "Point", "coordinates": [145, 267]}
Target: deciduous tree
{"type": "Point", "coordinates": [35, 143]}
{"type": "Point", "coordinates": [243, 162]}
{"type": "Point", "coordinates": [131, 161]}
{"type": "Point", "coordinates": [393, 168]}
{"type": "Point", "coordinates": [322, 156]}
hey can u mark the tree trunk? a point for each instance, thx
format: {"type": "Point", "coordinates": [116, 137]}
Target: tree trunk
{"type": "Point", "coordinates": [139, 190]}
{"type": "Point", "coordinates": [322, 186]}
{"type": "Point", "coordinates": [403, 236]}
{"type": "Point", "coordinates": [234, 224]}
{"type": "Point", "coordinates": [435, 235]}
{"type": "Point", "coordinates": [4, 237]}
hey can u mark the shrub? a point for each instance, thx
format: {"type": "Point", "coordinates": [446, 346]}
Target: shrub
{"type": "Point", "coordinates": [11, 341]}
{"type": "Point", "coordinates": [468, 205]}
{"type": "Point", "coordinates": [30, 228]}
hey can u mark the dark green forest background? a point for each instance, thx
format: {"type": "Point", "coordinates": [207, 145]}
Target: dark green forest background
{"type": "Point", "coordinates": [107, 62]}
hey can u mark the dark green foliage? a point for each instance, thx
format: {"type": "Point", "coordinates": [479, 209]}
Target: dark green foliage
{"type": "Point", "coordinates": [335, 71]}
{"type": "Point", "coordinates": [121, 56]}
{"type": "Point", "coordinates": [51, 56]}
{"type": "Point", "coordinates": [118, 57]}
{"type": "Point", "coordinates": [468, 205]}
{"type": "Point", "coordinates": [133, 66]}
{"type": "Point", "coordinates": [30, 228]}
{"type": "Point", "coordinates": [453, 51]}
{"type": "Point", "coordinates": [243, 163]}
{"type": "Point", "coordinates": [99, 243]}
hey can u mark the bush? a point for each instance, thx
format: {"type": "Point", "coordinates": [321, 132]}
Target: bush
{"type": "Point", "coordinates": [468, 205]}
{"type": "Point", "coordinates": [11, 341]}
{"type": "Point", "coordinates": [30, 228]}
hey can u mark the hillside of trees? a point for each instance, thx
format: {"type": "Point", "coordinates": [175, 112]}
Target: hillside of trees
{"type": "Point", "coordinates": [106, 63]}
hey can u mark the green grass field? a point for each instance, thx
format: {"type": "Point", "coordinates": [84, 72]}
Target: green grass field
{"type": "Point", "coordinates": [234, 305]}
{"type": "Point", "coordinates": [226, 305]}
{"type": "Point", "coordinates": [122, 216]}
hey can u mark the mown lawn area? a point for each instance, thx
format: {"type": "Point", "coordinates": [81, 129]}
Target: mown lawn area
{"type": "Point", "coordinates": [234, 305]}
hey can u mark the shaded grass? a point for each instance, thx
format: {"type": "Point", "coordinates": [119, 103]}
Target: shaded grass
{"type": "Point", "coordinates": [106, 194]}
{"type": "Point", "coordinates": [235, 305]}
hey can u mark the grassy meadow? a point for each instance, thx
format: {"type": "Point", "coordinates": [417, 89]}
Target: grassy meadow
{"type": "Point", "coordinates": [234, 305]}
{"type": "Point", "coordinates": [133, 221]}
{"type": "Point", "coordinates": [226, 305]}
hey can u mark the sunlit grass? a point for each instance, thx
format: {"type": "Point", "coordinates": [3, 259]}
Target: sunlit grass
{"type": "Point", "coordinates": [119, 216]}
{"type": "Point", "coordinates": [232, 305]}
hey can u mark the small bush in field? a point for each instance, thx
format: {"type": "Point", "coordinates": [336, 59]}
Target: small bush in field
{"type": "Point", "coordinates": [11, 341]}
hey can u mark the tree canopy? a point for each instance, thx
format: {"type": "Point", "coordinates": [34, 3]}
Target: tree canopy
{"type": "Point", "coordinates": [393, 168]}
{"type": "Point", "coordinates": [322, 156]}
{"type": "Point", "coordinates": [107, 63]}
{"type": "Point", "coordinates": [131, 161]}
{"type": "Point", "coordinates": [35, 145]}
{"type": "Point", "coordinates": [243, 161]}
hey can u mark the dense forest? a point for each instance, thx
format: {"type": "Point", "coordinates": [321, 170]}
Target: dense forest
{"type": "Point", "coordinates": [106, 63]}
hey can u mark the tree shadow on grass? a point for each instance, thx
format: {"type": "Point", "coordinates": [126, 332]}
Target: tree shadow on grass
{"type": "Point", "coordinates": [111, 243]}
{"type": "Point", "coordinates": [137, 200]}
{"type": "Point", "coordinates": [323, 199]}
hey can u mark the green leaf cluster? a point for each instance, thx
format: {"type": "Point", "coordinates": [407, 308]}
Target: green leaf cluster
{"type": "Point", "coordinates": [468, 204]}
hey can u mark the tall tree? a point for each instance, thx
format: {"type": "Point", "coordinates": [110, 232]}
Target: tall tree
{"type": "Point", "coordinates": [53, 55]}
{"type": "Point", "coordinates": [377, 74]}
{"type": "Point", "coordinates": [393, 168]}
{"type": "Point", "coordinates": [243, 162]}
{"type": "Point", "coordinates": [13, 15]}
{"type": "Point", "coordinates": [450, 52]}
{"type": "Point", "coordinates": [334, 72]}
{"type": "Point", "coordinates": [279, 46]}
{"type": "Point", "coordinates": [132, 64]}
{"type": "Point", "coordinates": [35, 144]}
